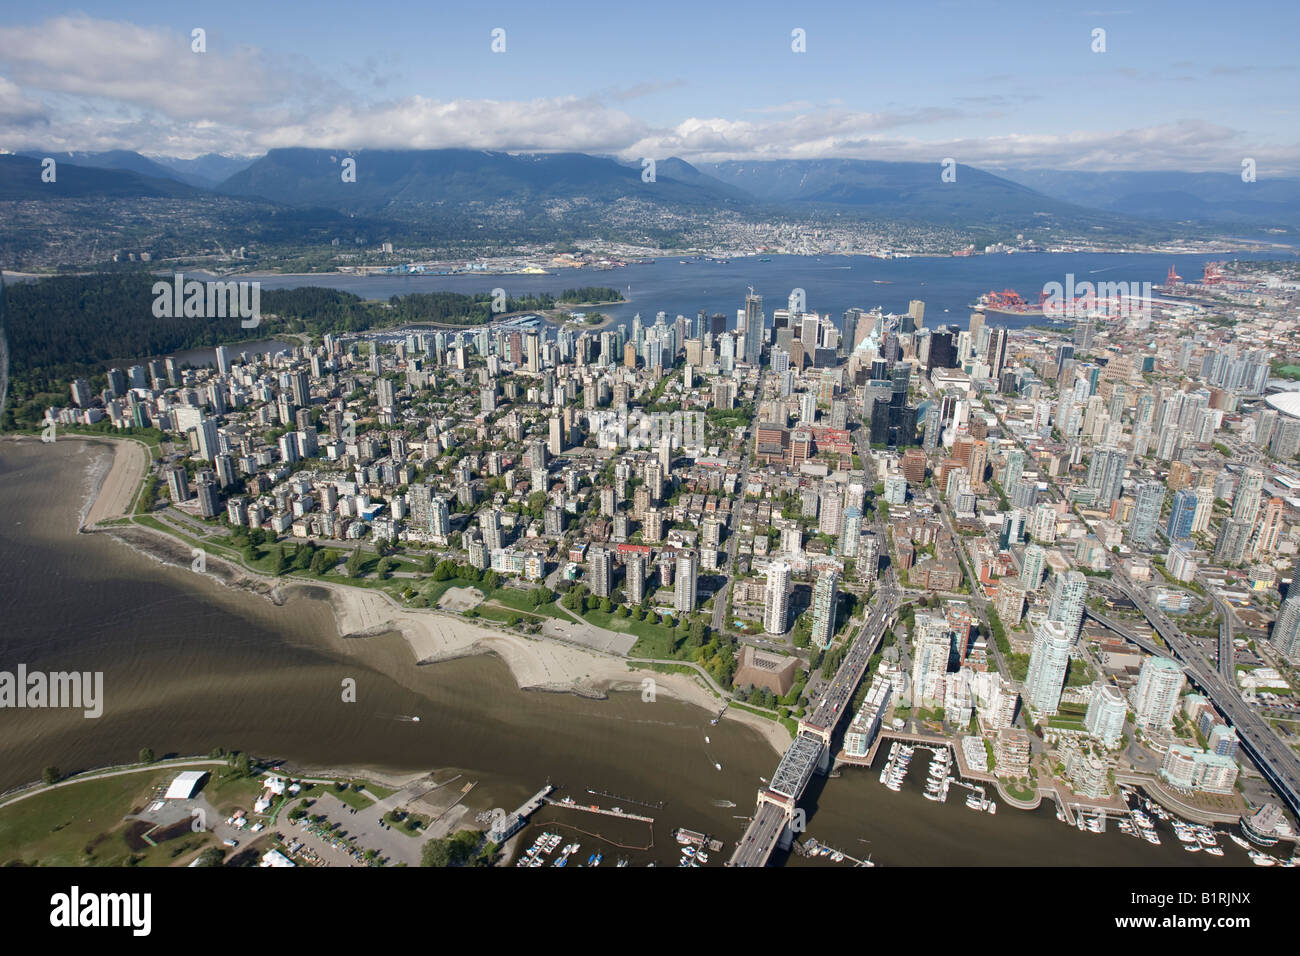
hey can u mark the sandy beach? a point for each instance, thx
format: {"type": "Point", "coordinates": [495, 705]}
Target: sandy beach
{"type": "Point", "coordinates": [117, 492]}
{"type": "Point", "coordinates": [535, 663]}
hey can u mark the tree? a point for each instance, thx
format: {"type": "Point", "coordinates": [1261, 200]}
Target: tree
{"type": "Point", "coordinates": [212, 856]}
{"type": "Point", "coordinates": [354, 563]}
{"type": "Point", "coordinates": [321, 561]}
{"type": "Point", "coordinates": [304, 556]}
{"type": "Point", "coordinates": [450, 851]}
{"type": "Point", "coordinates": [385, 566]}
{"type": "Point", "coordinates": [146, 755]}
{"type": "Point", "coordinates": [243, 766]}
{"type": "Point", "coordinates": [51, 775]}
{"type": "Point", "coordinates": [281, 561]}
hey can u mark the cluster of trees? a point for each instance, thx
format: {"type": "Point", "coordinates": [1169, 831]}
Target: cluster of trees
{"type": "Point", "coordinates": [460, 849]}
{"type": "Point", "coordinates": [758, 696]}
{"type": "Point", "coordinates": [591, 293]}
{"type": "Point", "coordinates": [304, 557]}
{"type": "Point", "coordinates": [447, 570]}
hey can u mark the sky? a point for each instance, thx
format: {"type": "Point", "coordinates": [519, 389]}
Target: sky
{"type": "Point", "coordinates": [1180, 85]}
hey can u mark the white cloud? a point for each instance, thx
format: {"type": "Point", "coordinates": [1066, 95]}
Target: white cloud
{"type": "Point", "coordinates": [18, 110]}
{"type": "Point", "coordinates": [79, 83]}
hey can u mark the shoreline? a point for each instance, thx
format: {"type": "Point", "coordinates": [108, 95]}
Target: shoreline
{"type": "Point", "coordinates": [535, 664]}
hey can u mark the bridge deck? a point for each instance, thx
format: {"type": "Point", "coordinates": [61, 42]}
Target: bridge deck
{"type": "Point", "coordinates": [760, 839]}
{"type": "Point", "coordinates": [797, 766]}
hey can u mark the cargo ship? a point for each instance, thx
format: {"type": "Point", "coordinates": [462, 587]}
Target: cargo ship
{"type": "Point", "coordinates": [1009, 302]}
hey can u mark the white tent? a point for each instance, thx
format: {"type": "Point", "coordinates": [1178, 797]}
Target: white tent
{"type": "Point", "coordinates": [185, 785]}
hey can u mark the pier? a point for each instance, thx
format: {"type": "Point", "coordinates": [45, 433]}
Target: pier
{"type": "Point", "coordinates": [658, 805]}
{"type": "Point", "coordinates": [569, 803]}
{"type": "Point", "coordinates": [812, 848]}
{"type": "Point", "coordinates": [507, 826]}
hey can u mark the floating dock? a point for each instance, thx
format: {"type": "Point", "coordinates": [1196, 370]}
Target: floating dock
{"type": "Point", "coordinates": [569, 803]}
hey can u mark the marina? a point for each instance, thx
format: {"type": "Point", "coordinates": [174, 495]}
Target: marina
{"type": "Point", "coordinates": [814, 849]}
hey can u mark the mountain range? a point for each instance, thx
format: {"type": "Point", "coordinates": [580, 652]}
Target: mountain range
{"type": "Point", "coordinates": [299, 195]}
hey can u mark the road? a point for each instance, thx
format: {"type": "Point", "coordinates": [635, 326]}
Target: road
{"type": "Point", "coordinates": [763, 832]}
{"type": "Point", "coordinates": [1275, 759]}
{"type": "Point", "coordinates": [1227, 652]}
{"type": "Point", "coordinates": [733, 523]}
{"type": "Point", "coordinates": [760, 839]}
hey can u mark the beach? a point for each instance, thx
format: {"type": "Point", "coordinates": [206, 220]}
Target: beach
{"type": "Point", "coordinates": [116, 493]}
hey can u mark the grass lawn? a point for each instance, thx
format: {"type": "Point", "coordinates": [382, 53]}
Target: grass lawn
{"type": "Point", "coordinates": [1020, 793]}
{"type": "Point", "coordinates": [653, 640]}
{"type": "Point", "coordinates": [437, 589]}
{"type": "Point", "coordinates": [349, 796]}
{"type": "Point", "coordinates": [671, 669]}
{"type": "Point", "coordinates": [748, 708]}
{"type": "Point", "coordinates": [521, 601]}
{"type": "Point", "coordinates": [56, 828]}
{"type": "Point", "coordinates": [228, 792]}
{"type": "Point", "coordinates": [1065, 723]}
{"type": "Point", "coordinates": [503, 614]}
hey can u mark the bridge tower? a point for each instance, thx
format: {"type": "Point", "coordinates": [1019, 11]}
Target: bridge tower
{"type": "Point", "coordinates": [823, 734]}
{"type": "Point", "coordinates": [787, 808]}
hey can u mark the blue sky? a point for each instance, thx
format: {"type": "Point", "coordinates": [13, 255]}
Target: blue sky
{"type": "Point", "coordinates": [1180, 86]}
